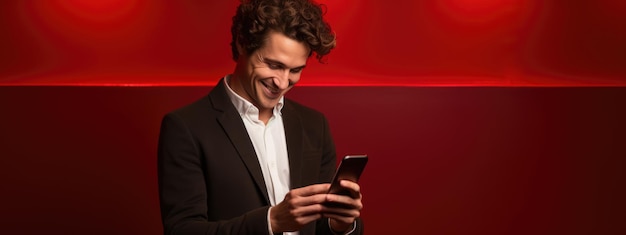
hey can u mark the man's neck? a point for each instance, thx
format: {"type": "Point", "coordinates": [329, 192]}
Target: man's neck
{"type": "Point", "coordinates": [235, 85]}
{"type": "Point", "coordinates": [265, 115]}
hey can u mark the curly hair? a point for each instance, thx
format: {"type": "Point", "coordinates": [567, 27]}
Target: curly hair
{"type": "Point", "coordinates": [300, 20]}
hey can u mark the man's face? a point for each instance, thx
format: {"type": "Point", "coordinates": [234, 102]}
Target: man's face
{"type": "Point", "coordinates": [265, 75]}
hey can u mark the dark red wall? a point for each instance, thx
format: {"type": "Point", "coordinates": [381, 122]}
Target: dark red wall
{"type": "Point", "coordinates": [471, 160]}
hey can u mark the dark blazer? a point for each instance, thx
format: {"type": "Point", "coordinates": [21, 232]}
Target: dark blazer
{"type": "Point", "coordinates": [210, 181]}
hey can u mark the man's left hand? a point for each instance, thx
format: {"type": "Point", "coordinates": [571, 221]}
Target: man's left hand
{"type": "Point", "coordinates": [343, 210]}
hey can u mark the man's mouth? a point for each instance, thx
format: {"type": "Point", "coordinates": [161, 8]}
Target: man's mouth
{"type": "Point", "coordinates": [270, 88]}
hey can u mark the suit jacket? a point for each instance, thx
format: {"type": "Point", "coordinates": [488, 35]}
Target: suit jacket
{"type": "Point", "coordinates": [210, 181]}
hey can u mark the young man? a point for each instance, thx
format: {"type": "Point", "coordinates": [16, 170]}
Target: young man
{"type": "Point", "coordinates": [246, 160]}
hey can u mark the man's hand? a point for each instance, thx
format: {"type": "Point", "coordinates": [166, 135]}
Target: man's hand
{"type": "Point", "coordinates": [343, 210]}
{"type": "Point", "coordinates": [300, 207]}
{"type": "Point", "coordinates": [307, 204]}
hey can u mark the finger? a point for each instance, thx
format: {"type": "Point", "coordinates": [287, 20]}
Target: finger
{"type": "Point", "coordinates": [316, 199]}
{"type": "Point", "coordinates": [303, 220]}
{"type": "Point", "coordinates": [341, 212]}
{"type": "Point", "coordinates": [311, 190]}
{"type": "Point", "coordinates": [311, 210]}
{"type": "Point", "coordinates": [333, 200]}
{"type": "Point", "coordinates": [353, 188]}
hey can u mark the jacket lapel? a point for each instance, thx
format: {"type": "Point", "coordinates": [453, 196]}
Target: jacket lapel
{"type": "Point", "coordinates": [236, 131]}
{"type": "Point", "coordinates": [293, 134]}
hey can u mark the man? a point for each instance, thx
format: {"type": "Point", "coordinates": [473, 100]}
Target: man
{"type": "Point", "coordinates": [246, 160]}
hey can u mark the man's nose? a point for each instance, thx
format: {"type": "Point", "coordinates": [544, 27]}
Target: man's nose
{"type": "Point", "coordinates": [282, 80]}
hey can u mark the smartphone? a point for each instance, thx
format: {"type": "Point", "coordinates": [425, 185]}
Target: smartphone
{"type": "Point", "coordinates": [350, 168]}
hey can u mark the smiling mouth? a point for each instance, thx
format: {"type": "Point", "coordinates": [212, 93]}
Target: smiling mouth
{"type": "Point", "coordinates": [271, 89]}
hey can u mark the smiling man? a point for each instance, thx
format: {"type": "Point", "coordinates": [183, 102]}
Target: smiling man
{"type": "Point", "coordinates": [246, 160]}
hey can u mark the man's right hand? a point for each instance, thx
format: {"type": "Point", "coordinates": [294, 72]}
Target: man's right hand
{"type": "Point", "coordinates": [300, 207]}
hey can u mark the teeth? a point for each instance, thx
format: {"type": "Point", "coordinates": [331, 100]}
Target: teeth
{"type": "Point", "coordinates": [273, 90]}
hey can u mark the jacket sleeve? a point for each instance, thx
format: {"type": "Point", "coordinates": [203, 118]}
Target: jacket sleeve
{"type": "Point", "coordinates": [182, 190]}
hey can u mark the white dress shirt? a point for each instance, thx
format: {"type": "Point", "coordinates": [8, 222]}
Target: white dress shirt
{"type": "Point", "coordinates": [270, 145]}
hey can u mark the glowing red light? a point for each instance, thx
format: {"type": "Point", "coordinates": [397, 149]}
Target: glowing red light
{"type": "Point", "coordinates": [89, 22]}
{"type": "Point", "coordinates": [96, 11]}
{"type": "Point", "coordinates": [477, 6]}
{"type": "Point", "coordinates": [479, 10]}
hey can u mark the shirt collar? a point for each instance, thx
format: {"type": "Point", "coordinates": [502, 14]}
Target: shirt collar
{"type": "Point", "coordinates": [245, 107]}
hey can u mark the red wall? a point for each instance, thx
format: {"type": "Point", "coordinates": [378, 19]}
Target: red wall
{"type": "Point", "coordinates": [409, 42]}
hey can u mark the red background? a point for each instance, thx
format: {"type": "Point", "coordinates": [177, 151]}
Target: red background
{"type": "Point", "coordinates": [526, 137]}
{"type": "Point", "coordinates": [435, 42]}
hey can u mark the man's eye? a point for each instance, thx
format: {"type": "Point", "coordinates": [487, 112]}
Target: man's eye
{"type": "Point", "coordinates": [298, 70]}
{"type": "Point", "coordinates": [274, 66]}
